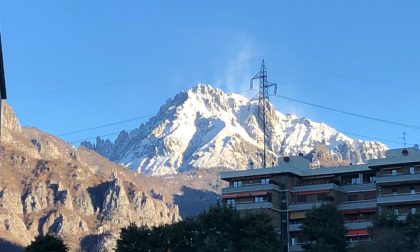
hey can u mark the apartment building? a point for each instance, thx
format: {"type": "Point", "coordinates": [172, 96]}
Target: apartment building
{"type": "Point", "coordinates": [286, 192]}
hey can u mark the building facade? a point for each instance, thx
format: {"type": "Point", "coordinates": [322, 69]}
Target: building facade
{"type": "Point", "coordinates": [288, 191]}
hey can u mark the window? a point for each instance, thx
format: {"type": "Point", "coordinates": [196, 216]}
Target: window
{"type": "Point", "coordinates": [282, 186]}
{"type": "Point", "coordinates": [294, 240]}
{"type": "Point", "coordinates": [413, 210]}
{"type": "Point", "coordinates": [265, 181]}
{"type": "Point", "coordinates": [368, 177]}
{"type": "Point", "coordinates": [322, 197]}
{"type": "Point", "coordinates": [412, 190]}
{"type": "Point", "coordinates": [355, 181]}
{"type": "Point", "coordinates": [259, 199]}
{"type": "Point", "coordinates": [412, 170]}
{"type": "Point", "coordinates": [237, 183]}
{"type": "Point", "coordinates": [230, 202]}
{"type": "Point", "coordinates": [394, 172]}
{"type": "Point", "coordinates": [352, 198]}
{"type": "Point", "coordinates": [396, 212]}
{"type": "Point", "coordinates": [350, 179]}
{"type": "Point", "coordinates": [394, 191]}
{"type": "Point", "coordinates": [301, 198]}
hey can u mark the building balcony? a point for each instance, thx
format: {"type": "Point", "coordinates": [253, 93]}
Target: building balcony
{"type": "Point", "coordinates": [356, 205]}
{"type": "Point", "coordinates": [296, 248]}
{"type": "Point", "coordinates": [305, 206]}
{"type": "Point", "coordinates": [314, 187]}
{"type": "Point", "coordinates": [332, 186]}
{"type": "Point", "coordinates": [253, 205]}
{"type": "Point", "coordinates": [295, 227]}
{"type": "Point", "coordinates": [363, 224]}
{"type": "Point", "coordinates": [341, 206]}
{"type": "Point", "coordinates": [397, 179]}
{"type": "Point", "coordinates": [250, 188]}
{"type": "Point", "coordinates": [358, 225]}
{"type": "Point", "coordinates": [358, 187]}
{"type": "Point", "coordinates": [399, 199]}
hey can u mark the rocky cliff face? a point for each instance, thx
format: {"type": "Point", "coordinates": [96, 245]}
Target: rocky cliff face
{"type": "Point", "coordinates": [47, 186]}
{"type": "Point", "coordinates": [204, 128]}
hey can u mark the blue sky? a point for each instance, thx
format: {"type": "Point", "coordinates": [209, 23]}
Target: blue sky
{"type": "Point", "coordinates": [77, 64]}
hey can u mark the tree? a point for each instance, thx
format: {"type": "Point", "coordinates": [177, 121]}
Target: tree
{"type": "Point", "coordinates": [389, 234]}
{"type": "Point", "coordinates": [383, 239]}
{"type": "Point", "coordinates": [324, 230]}
{"type": "Point", "coordinates": [412, 231]}
{"type": "Point", "coordinates": [134, 239]}
{"type": "Point", "coordinates": [218, 229]}
{"type": "Point", "coordinates": [224, 229]}
{"type": "Point", "coordinates": [387, 220]}
{"type": "Point", "coordinates": [47, 242]}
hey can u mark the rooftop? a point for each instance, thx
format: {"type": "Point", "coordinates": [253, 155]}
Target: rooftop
{"type": "Point", "coordinates": [300, 166]}
{"type": "Point", "coordinates": [397, 156]}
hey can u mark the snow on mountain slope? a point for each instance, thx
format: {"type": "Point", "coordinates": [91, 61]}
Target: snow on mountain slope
{"type": "Point", "coordinates": [204, 127]}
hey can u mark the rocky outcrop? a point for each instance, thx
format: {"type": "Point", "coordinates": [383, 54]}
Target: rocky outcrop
{"type": "Point", "coordinates": [9, 123]}
{"type": "Point", "coordinates": [48, 186]}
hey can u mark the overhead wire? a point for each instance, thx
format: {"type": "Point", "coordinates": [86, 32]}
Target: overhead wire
{"type": "Point", "coordinates": [128, 82]}
{"type": "Point", "coordinates": [390, 122]}
{"type": "Point", "coordinates": [374, 138]}
{"type": "Point", "coordinates": [343, 132]}
{"type": "Point", "coordinates": [115, 123]}
{"type": "Point", "coordinates": [104, 125]}
{"type": "Point", "coordinates": [92, 138]}
{"type": "Point", "coordinates": [377, 119]}
{"type": "Point", "coordinates": [243, 91]}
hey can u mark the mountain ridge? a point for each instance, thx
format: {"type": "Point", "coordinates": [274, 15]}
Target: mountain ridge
{"type": "Point", "coordinates": [49, 186]}
{"type": "Point", "coordinates": [204, 128]}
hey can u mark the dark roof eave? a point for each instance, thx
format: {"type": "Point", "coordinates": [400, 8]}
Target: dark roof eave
{"type": "Point", "coordinates": [2, 78]}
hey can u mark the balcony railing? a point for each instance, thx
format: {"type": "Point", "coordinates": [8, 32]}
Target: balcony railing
{"type": "Point", "coordinates": [364, 224]}
{"type": "Point", "coordinates": [401, 198]}
{"type": "Point", "coordinates": [252, 205]}
{"type": "Point", "coordinates": [315, 187]}
{"type": "Point", "coordinates": [296, 248]}
{"type": "Point", "coordinates": [354, 205]}
{"type": "Point", "coordinates": [398, 178]}
{"type": "Point", "coordinates": [358, 187]}
{"type": "Point", "coordinates": [295, 227]}
{"type": "Point", "coordinates": [346, 205]}
{"type": "Point", "coordinates": [345, 188]}
{"type": "Point", "coordinates": [360, 224]}
{"type": "Point", "coordinates": [304, 206]}
{"type": "Point", "coordinates": [250, 188]}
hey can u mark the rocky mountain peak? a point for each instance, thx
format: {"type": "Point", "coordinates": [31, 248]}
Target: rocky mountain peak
{"type": "Point", "coordinates": [9, 123]}
{"type": "Point", "coordinates": [48, 186]}
{"type": "Point", "coordinates": [204, 128]}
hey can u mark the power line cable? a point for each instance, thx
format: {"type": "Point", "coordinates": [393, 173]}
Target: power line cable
{"type": "Point", "coordinates": [280, 96]}
{"type": "Point", "coordinates": [141, 117]}
{"type": "Point", "coordinates": [411, 126]}
{"type": "Point", "coordinates": [342, 132]}
{"type": "Point", "coordinates": [373, 138]}
{"type": "Point", "coordinates": [91, 138]}
{"type": "Point", "coordinates": [243, 91]}
{"type": "Point", "coordinates": [118, 122]}
{"type": "Point", "coordinates": [130, 82]}
{"type": "Point", "coordinates": [104, 125]}
{"type": "Point", "coordinates": [118, 83]}
{"type": "Point", "coordinates": [345, 76]}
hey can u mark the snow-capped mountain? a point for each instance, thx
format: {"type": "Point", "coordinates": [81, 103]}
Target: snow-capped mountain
{"type": "Point", "coordinates": [204, 127]}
